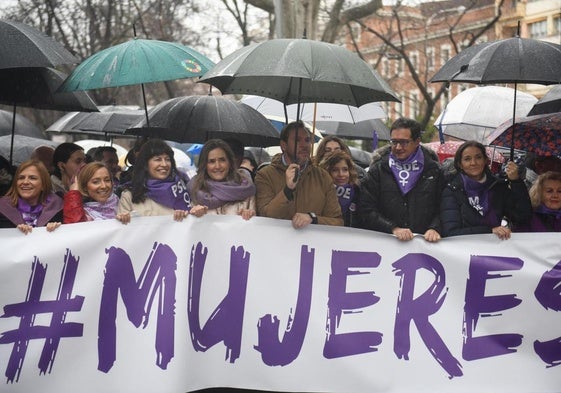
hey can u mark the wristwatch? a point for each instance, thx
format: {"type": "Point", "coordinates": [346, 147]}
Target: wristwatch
{"type": "Point", "coordinates": [314, 217]}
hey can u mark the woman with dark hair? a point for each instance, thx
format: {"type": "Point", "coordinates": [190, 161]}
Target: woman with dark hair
{"type": "Point", "coordinates": [332, 144]}
{"type": "Point", "coordinates": [30, 201]}
{"type": "Point", "coordinates": [545, 195]}
{"type": "Point", "coordinates": [130, 159]}
{"type": "Point", "coordinates": [157, 188]}
{"type": "Point", "coordinates": [68, 159]}
{"type": "Point", "coordinates": [341, 168]}
{"type": "Point", "coordinates": [475, 201]}
{"type": "Point", "coordinates": [91, 197]}
{"type": "Point", "coordinates": [219, 185]}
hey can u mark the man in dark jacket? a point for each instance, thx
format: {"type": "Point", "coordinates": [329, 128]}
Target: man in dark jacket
{"type": "Point", "coordinates": [401, 193]}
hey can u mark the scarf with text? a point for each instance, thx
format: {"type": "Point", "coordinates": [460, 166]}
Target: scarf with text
{"type": "Point", "coordinates": [171, 192]}
{"type": "Point", "coordinates": [345, 193]}
{"type": "Point", "coordinates": [29, 213]}
{"type": "Point", "coordinates": [477, 193]}
{"type": "Point", "coordinates": [407, 173]}
{"type": "Point", "coordinates": [102, 211]}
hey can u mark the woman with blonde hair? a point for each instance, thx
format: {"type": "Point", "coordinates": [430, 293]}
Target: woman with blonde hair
{"type": "Point", "coordinates": [545, 195]}
{"type": "Point", "coordinates": [341, 168]}
{"type": "Point", "coordinates": [30, 202]}
{"type": "Point", "coordinates": [91, 197]}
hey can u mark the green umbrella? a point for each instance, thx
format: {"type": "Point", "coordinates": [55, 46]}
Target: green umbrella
{"type": "Point", "coordinates": [137, 61]}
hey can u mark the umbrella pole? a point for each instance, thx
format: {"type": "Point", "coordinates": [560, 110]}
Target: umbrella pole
{"type": "Point", "coordinates": [13, 135]}
{"type": "Point", "coordinates": [513, 125]}
{"type": "Point", "coordinates": [314, 126]}
{"type": "Point", "coordinates": [145, 106]}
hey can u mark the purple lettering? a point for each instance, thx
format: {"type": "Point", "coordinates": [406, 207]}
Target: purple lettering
{"type": "Point", "coordinates": [419, 310]}
{"type": "Point", "coordinates": [281, 353]}
{"type": "Point", "coordinates": [548, 293]}
{"type": "Point", "coordinates": [477, 304]}
{"type": "Point", "coordinates": [340, 301]}
{"type": "Point", "coordinates": [158, 276]}
{"type": "Point", "coordinates": [226, 322]}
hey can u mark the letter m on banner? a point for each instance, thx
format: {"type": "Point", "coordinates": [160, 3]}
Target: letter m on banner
{"type": "Point", "coordinates": [157, 278]}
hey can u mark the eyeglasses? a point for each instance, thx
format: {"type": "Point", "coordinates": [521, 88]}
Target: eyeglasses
{"type": "Point", "coordinates": [402, 142]}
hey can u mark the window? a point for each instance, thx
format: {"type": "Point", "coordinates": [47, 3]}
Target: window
{"type": "Point", "coordinates": [414, 59]}
{"type": "Point", "coordinates": [557, 25]}
{"type": "Point", "coordinates": [413, 104]}
{"type": "Point", "coordinates": [430, 58]}
{"type": "Point", "coordinates": [445, 54]}
{"type": "Point", "coordinates": [399, 106]}
{"type": "Point", "coordinates": [386, 68]}
{"type": "Point", "coordinates": [538, 29]}
{"type": "Point", "coordinates": [399, 67]}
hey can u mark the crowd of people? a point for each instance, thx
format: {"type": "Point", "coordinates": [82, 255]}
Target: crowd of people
{"type": "Point", "coordinates": [404, 192]}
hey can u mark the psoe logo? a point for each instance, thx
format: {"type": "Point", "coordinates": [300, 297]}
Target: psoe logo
{"type": "Point", "coordinates": [191, 65]}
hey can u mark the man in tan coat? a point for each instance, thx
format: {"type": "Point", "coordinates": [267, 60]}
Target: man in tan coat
{"type": "Point", "coordinates": [292, 188]}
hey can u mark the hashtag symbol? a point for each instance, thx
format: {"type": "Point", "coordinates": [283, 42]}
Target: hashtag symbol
{"type": "Point", "coordinates": [33, 306]}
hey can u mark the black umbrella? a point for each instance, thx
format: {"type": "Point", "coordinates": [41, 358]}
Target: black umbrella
{"type": "Point", "coordinates": [24, 126]}
{"type": "Point", "coordinates": [106, 123]}
{"type": "Point", "coordinates": [361, 130]}
{"type": "Point", "coordinates": [512, 60]}
{"type": "Point", "coordinates": [36, 87]}
{"type": "Point", "coordinates": [549, 103]}
{"type": "Point", "coordinates": [197, 119]}
{"type": "Point", "coordinates": [24, 46]}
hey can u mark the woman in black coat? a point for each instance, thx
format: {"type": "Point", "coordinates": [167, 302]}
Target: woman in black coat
{"type": "Point", "coordinates": [475, 201]}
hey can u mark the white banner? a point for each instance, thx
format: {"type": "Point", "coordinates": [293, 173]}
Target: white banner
{"type": "Point", "coordinates": [173, 307]}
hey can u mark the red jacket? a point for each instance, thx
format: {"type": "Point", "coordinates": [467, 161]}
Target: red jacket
{"type": "Point", "coordinates": [73, 210]}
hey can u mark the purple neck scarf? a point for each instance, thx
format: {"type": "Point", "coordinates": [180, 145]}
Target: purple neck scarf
{"type": "Point", "coordinates": [407, 173]}
{"type": "Point", "coordinates": [102, 211]}
{"type": "Point", "coordinates": [346, 194]}
{"type": "Point", "coordinates": [171, 192]}
{"type": "Point", "coordinates": [222, 192]}
{"type": "Point", "coordinates": [29, 213]}
{"type": "Point", "coordinates": [542, 209]}
{"type": "Point", "coordinates": [477, 193]}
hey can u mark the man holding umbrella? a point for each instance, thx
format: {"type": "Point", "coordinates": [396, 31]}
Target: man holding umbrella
{"type": "Point", "coordinates": [292, 188]}
{"type": "Point", "coordinates": [402, 190]}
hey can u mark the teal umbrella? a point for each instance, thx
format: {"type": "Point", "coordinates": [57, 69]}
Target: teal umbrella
{"type": "Point", "coordinates": [137, 61]}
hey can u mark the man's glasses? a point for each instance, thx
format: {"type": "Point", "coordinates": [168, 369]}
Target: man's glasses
{"type": "Point", "coordinates": [402, 142]}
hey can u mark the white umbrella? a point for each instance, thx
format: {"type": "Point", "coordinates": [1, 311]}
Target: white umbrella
{"type": "Point", "coordinates": [323, 111]}
{"type": "Point", "coordinates": [475, 113]}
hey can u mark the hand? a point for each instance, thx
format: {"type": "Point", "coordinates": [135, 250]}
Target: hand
{"type": "Point", "coordinates": [125, 217]}
{"type": "Point", "coordinates": [300, 220]}
{"type": "Point", "coordinates": [179, 215]}
{"type": "Point", "coordinates": [51, 226]}
{"type": "Point", "coordinates": [432, 236]}
{"type": "Point", "coordinates": [246, 213]}
{"type": "Point", "coordinates": [403, 234]}
{"type": "Point", "coordinates": [290, 174]}
{"type": "Point", "coordinates": [502, 232]}
{"type": "Point", "coordinates": [25, 228]}
{"type": "Point", "coordinates": [511, 171]}
{"type": "Point", "coordinates": [74, 183]}
{"type": "Point", "coordinates": [198, 210]}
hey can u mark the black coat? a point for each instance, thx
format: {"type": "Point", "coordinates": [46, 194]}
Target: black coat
{"type": "Point", "coordinates": [508, 199]}
{"type": "Point", "coordinates": [382, 207]}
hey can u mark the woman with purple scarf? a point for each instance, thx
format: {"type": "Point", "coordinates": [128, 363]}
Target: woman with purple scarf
{"type": "Point", "coordinates": [91, 197]}
{"type": "Point", "coordinates": [475, 201]}
{"type": "Point", "coordinates": [345, 179]}
{"type": "Point", "coordinates": [545, 195]}
{"type": "Point", "coordinates": [157, 188]}
{"type": "Point", "coordinates": [219, 185]}
{"type": "Point", "coordinates": [30, 202]}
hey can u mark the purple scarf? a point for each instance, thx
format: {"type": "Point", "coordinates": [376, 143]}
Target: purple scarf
{"type": "Point", "coordinates": [477, 193]}
{"type": "Point", "coordinates": [30, 214]}
{"type": "Point", "coordinates": [222, 192]}
{"type": "Point", "coordinates": [102, 211]}
{"type": "Point", "coordinates": [346, 194]}
{"type": "Point", "coordinates": [407, 173]}
{"type": "Point", "coordinates": [171, 192]}
{"type": "Point", "coordinates": [542, 209]}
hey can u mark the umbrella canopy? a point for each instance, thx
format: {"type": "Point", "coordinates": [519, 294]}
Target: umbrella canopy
{"type": "Point", "coordinates": [37, 88]}
{"type": "Point", "coordinates": [98, 123]}
{"type": "Point", "coordinates": [318, 111]}
{"type": "Point", "coordinates": [448, 149]}
{"type": "Point", "coordinates": [25, 46]}
{"type": "Point", "coordinates": [23, 147]}
{"type": "Point", "coordinates": [549, 103]}
{"type": "Point", "coordinates": [299, 70]}
{"type": "Point", "coordinates": [540, 134]}
{"type": "Point", "coordinates": [512, 60]}
{"type": "Point", "coordinates": [361, 130]}
{"type": "Point", "coordinates": [475, 113]}
{"type": "Point", "coordinates": [135, 62]}
{"type": "Point", "coordinates": [197, 119]}
{"type": "Point", "coordinates": [24, 126]}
